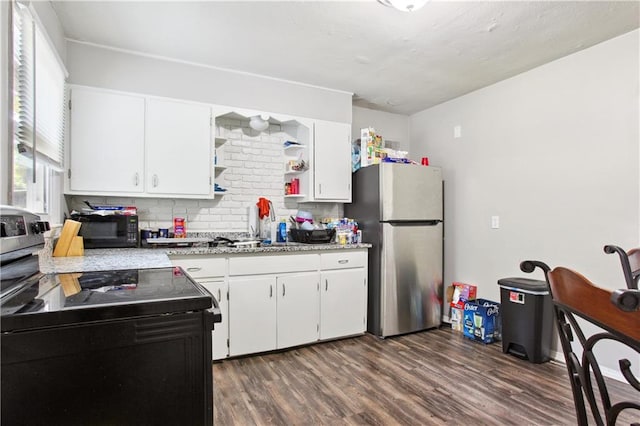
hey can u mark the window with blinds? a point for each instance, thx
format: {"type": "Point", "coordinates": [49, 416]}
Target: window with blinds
{"type": "Point", "coordinates": [38, 113]}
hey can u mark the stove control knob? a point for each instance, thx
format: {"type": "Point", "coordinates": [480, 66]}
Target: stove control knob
{"type": "Point", "coordinates": [35, 228]}
{"type": "Point", "coordinates": [39, 227]}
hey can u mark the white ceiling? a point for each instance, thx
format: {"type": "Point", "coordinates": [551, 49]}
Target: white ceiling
{"type": "Point", "coordinates": [392, 61]}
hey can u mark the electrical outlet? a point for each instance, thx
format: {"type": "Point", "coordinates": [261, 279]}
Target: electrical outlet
{"type": "Point", "coordinates": [457, 131]}
{"type": "Point", "coordinates": [495, 222]}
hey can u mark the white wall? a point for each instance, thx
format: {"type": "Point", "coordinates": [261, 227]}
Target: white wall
{"type": "Point", "coordinates": [554, 153]}
{"type": "Point", "coordinates": [393, 128]}
{"type": "Point", "coordinates": [112, 69]}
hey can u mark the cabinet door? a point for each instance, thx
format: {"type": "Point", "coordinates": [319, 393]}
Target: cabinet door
{"type": "Point", "coordinates": [252, 315]}
{"type": "Point", "coordinates": [332, 165]}
{"type": "Point", "coordinates": [298, 309]}
{"type": "Point", "coordinates": [218, 289]}
{"type": "Point", "coordinates": [178, 137]}
{"type": "Point", "coordinates": [106, 141]}
{"type": "Point", "coordinates": [343, 303]}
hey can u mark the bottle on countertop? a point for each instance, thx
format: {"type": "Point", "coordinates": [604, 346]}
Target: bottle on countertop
{"type": "Point", "coordinates": [179, 227]}
{"type": "Point", "coordinates": [282, 231]}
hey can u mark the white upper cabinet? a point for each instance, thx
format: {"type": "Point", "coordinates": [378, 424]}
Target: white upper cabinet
{"type": "Point", "coordinates": [178, 138]}
{"type": "Point", "coordinates": [125, 144]}
{"type": "Point", "coordinates": [332, 161]}
{"type": "Point", "coordinates": [106, 139]}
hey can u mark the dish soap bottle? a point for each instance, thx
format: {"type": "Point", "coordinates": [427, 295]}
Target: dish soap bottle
{"type": "Point", "coordinates": [282, 231]}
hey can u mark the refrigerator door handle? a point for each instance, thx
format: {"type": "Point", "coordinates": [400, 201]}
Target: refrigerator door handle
{"type": "Point", "coordinates": [412, 222]}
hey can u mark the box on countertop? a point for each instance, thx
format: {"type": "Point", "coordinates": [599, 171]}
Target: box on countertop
{"type": "Point", "coordinates": [482, 321]}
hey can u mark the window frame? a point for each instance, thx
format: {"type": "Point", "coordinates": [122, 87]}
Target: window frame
{"type": "Point", "coordinates": [44, 194]}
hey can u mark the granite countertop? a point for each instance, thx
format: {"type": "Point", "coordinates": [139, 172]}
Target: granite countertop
{"type": "Point", "coordinates": [269, 248]}
{"type": "Point", "coordinates": [143, 258]}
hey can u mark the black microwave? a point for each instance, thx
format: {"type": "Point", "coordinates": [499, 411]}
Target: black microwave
{"type": "Point", "coordinates": [110, 231]}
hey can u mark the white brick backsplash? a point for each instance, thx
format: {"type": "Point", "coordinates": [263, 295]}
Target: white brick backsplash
{"type": "Point", "coordinates": [255, 168]}
{"type": "Point", "coordinates": [239, 156]}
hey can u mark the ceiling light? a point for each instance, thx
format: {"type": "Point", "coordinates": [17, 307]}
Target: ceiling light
{"type": "Point", "coordinates": [259, 122]}
{"type": "Point", "coordinates": [404, 5]}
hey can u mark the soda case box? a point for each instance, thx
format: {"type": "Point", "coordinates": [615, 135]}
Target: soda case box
{"type": "Point", "coordinates": [482, 321]}
{"type": "Point", "coordinates": [370, 146]}
{"type": "Point", "coordinates": [456, 319]}
{"type": "Point", "coordinates": [462, 293]}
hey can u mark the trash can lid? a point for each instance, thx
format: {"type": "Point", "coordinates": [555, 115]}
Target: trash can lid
{"type": "Point", "coordinates": [525, 285]}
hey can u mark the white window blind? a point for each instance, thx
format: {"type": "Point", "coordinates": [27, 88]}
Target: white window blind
{"type": "Point", "coordinates": [39, 106]}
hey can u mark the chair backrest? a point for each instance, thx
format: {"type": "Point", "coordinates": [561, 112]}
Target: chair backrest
{"type": "Point", "coordinates": [574, 295]}
{"type": "Point", "coordinates": [630, 262]}
{"type": "Point", "coordinates": [634, 264]}
{"type": "Point", "coordinates": [575, 292]}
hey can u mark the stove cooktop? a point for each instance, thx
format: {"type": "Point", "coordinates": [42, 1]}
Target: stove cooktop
{"type": "Point", "coordinates": [57, 299]}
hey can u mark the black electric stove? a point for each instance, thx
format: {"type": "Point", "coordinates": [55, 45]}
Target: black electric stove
{"type": "Point", "coordinates": [63, 299]}
{"type": "Point", "coordinates": [108, 347]}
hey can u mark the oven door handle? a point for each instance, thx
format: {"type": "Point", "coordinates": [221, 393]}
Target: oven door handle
{"type": "Point", "coordinates": [214, 316]}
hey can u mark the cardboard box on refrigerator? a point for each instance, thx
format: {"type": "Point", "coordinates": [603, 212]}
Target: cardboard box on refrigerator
{"type": "Point", "coordinates": [370, 146]}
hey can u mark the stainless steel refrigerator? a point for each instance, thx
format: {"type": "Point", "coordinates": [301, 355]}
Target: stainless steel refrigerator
{"type": "Point", "coordinates": [399, 208]}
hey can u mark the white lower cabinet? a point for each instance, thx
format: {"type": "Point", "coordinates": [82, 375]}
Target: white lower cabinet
{"type": "Point", "coordinates": [343, 303]}
{"type": "Point", "coordinates": [272, 312]}
{"type": "Point", "coordinates": [252, 315]}
{"type": "Point", "coordinates": [298, 309]}
{"type": "Point", "coordinates": [220, 335]}
{"type": "Point", "coordinates": [210, 272]}
{"type": "Point", "coordinates": [277, 301]}
{"type": "Point", "coordinates": [343, 294]}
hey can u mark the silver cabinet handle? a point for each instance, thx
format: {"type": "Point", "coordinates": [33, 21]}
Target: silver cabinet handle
{"type": "Point", "coordinates": [137, 180]}
{"type": "Point", "coordinates": [283, 290]}
{"type": "Point", "coordinates": [219, 295]}
{"type": "Point", "coordinates": [326, 285]}
{"type": "Point", "coordinates": [155, 181]}
{"type": "Point", "coordinates": [270, 290]}
{"type": "Point", "coordinates": [319, 188]}
{"type": "Point", "coordinates": [343, 261]}
{"type": "Point", "coordinates": [193, 269]}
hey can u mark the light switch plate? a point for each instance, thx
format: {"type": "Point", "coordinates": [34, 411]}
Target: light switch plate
{"type": "Point", "coordinates": [495, 222]}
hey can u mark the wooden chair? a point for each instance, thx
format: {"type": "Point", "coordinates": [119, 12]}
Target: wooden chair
{"type": "Point", "coordinates": [575, 296]}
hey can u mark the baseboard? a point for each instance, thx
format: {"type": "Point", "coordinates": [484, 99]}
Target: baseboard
{"type": "Point", "coordinates": [606, 372]}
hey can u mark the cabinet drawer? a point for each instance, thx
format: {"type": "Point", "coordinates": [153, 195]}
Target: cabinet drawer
{"type": "Point", "coordinates": [275, 264]}
{"type": "Point", "coordinates": [343, 259]}
{"type": "Point", "coordinates": [201, 266]}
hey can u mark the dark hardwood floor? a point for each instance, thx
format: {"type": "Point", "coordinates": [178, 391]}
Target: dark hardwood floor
{"type": "Point", "coordinates": [434, 377]}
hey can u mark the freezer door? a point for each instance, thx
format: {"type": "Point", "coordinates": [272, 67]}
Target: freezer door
{"type": "Point", "coordinates": [411, 278]}
{"type": "Point", "coordinates": [410, 192]}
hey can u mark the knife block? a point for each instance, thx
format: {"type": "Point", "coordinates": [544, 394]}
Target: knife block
{"type": "Point", "coordinates": [69, 243]}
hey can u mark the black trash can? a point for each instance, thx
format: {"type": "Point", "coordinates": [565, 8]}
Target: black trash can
{"type": "Point", "coordinates": [527, 318]}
